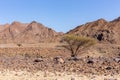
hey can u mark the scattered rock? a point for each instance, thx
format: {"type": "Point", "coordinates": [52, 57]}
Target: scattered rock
{"type": "Point", "coordinates": [110, 79]}
{"type": "Point", "coordinates": [90, 62]}
{"type": "Point", "coordinates": [38, 60]}
{"type": "Point", "coordinates": [72, 78]}
{"type": "Point", "coordinates": [119, 54]}
{"type": "Point", "coordinates": [108, 68]}
{"type": "Point", "coordinates": [59, 59]}
{"type": "Point", "coordinates": [74, 58]}
{"type": "Point", "coordinates": [117, 59]}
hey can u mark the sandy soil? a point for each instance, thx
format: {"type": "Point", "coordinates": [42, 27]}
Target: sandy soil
{"type": "Point", "coordinates": [24, 75]}
{"type": "Point", "coordinates": [43, 45]}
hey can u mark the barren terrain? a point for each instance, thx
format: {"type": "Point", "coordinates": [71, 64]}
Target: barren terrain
{"type": "Point", "coordinates": [95, 63]}
{"type": "Point", "coordinates": [32, 51]}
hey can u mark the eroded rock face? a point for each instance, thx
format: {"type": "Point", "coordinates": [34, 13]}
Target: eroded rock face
{"type": "Point", "coordinates": [101, 29]}
{"type": "Point", "coordinates": [33, 32]}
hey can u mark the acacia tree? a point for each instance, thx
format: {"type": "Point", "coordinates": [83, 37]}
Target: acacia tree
{"type": "Point", "coordinates": [75, 43]}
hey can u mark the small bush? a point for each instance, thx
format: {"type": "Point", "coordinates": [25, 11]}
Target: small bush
{"type": "Point", "coordinates": [75, 43]}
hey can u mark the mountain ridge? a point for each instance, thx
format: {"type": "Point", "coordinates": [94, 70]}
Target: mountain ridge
{"type": "Point", "coordinates": [102, 30]}
{"type": "Point", "coordinates": [33, 32]}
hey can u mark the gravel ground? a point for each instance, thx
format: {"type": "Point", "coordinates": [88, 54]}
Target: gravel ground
{"type": "Point", "coordinates": [19, 63]}
{"type": "Point", "coordinates": [40, 75]}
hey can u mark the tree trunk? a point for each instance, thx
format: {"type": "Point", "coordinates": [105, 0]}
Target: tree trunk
{"type": "Point", "coordinates": [73, 55]}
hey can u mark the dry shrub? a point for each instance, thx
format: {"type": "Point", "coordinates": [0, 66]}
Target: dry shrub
{"type": "Point", "coordinates": [75, 43]}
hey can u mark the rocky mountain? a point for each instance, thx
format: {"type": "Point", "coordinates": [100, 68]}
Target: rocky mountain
{"type": "Point", "coordinates": [102, 30]}
{"type": "Point", "coordinates": [33, 32]}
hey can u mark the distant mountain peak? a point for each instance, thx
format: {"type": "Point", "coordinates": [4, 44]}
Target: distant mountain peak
{"type": "Point", "coordinates": [15, 22]}
{"type": "Point", "coordinates": [33, 32]}
{"type": "Point", "coordinates": [101, 21]}
{"type": "Point", "coordinates": [117, 19]}
{"type": "Point", "coordinates": [34, 22]}
{"type": "Point", "coordinates": [101, 30]}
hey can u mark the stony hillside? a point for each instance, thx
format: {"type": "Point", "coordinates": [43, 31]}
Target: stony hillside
{"type": "Point", "coordinates": [33, 32]}
{"type": "Point", "coordinates": [102, 30]}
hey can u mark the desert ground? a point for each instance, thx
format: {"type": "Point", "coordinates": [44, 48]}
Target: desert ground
{"type": "Point", "coordinates": [37, 62]}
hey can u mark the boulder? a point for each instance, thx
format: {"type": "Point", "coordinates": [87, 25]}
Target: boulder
{"type": "Point", "coordinates": [90, 62]}
{"type": "Point", "coordinates": [74, 59]}
{"type": "Point", "coordinates": [108, 68]}
{"type": "Point", "coordinates": [117, 59]}
{"type": "Point", "coordinates": [38, 60]}
{"type": "Point", "coordinates": [59, 59]}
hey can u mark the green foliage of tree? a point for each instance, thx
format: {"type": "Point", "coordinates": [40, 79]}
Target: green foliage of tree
{"type": "Point", "coordinates": [75, 43]}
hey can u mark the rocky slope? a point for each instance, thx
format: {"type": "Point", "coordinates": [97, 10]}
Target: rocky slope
{"type": "Point", "coordinates": [102, 30]}
{"type": "Point", "coordinates": [33, 32]}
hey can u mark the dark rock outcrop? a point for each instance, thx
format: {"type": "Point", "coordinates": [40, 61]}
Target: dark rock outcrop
{"type": "Point", "coordinates": [101, 29]}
